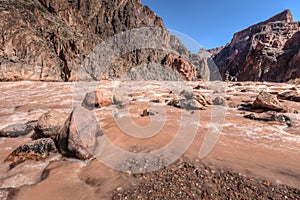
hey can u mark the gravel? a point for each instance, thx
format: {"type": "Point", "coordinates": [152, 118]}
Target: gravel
{"type": "Point", "coordinates": [184, 180]}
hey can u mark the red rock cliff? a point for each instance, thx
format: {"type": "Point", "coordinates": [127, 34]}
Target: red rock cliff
{"type": "Point", "coordinates": [267, 51]}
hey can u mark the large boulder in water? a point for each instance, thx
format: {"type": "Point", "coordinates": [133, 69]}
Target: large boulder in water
{"type": "Point", "coordinates": [268, 101]}
{"type": "Point", "coordinates": [95, 99]}
{"type": "Point", "coordinates": [50, 123]}
{"type": "Point", "coordinates": [77, 138]}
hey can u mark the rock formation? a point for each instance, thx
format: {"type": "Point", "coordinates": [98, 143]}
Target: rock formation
{"type": "Point", "coordinates": [53, 40]}
{"type": "Point", "coordinates": [267, 51]}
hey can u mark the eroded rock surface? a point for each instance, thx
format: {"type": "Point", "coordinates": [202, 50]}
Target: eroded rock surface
{"type": "Point", "coordinates": [267, 51]}
{"type": "Point", "coordinates": [53, 40]}
{"type": "Point", "coordinates": [36, 150]}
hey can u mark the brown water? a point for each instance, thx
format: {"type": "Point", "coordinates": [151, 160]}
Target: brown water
{"type": "Point", "coordinates": [259, 149]}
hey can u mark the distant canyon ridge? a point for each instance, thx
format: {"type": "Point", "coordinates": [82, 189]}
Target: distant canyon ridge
{"type": "Point", "coordinates": [52, 40]}
{"type": "Point", "coordinates": [267, 51]}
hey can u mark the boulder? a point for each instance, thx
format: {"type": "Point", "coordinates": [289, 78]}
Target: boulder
{"type": "Point", "coordinates": [204, 100]}
{"type": "Point", "coordinates": [77, 138]}
{"type": "Point", "coordinates": [270, 116]}
{"type": "Point", "coordinates": [292, 95]}
{"type": "Point", "coordinates": [95, 99]}
{"type": "Point", "coordinates": [175, 102]}
{"type": "Point", "coordinates": [149, 112]}
{"type": "Point", "coordinates": [190, 104]}
{"type": "Point", "coordinates": [268, 101]}
{"type": "Point", "coordinates": [193, 104]}
{"type": "Point", "coordinates": [220, 101]}
{"type": "Point", "coordinates": [17, 130]}
{"type": "Point", "coordinates": [49, 124]}
{"type": "Point", "coordinates": [36, 150]}
{"type": "Point", "coordinates": [203, 87]}
{"type": "Point", "coordinates": [119, 100]}
{"type": "Point", "coordinates": [158, 100]}
{"type": "Point", "coordinates": [187, 94]}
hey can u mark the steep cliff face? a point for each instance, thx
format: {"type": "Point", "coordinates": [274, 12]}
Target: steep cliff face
{"type": "Point", "coordinates": [267, 51]}
{"type": "Point", "coordinates": [50, 39]}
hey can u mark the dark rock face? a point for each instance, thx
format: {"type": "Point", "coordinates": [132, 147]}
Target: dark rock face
{"type": "Point", "coordinates": [17, 130]}
{"type": "Point", "coordinates": [78, 136]}
{"type": "Point", "coordinates": [50, 39]}
{"type": "Point", "coordinates": [267, 51]}
{"type": "Point", "coordinates": [36, 150]}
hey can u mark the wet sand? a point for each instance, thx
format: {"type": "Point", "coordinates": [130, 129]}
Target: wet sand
{"type": "Point", "coordinates": [256, 149]}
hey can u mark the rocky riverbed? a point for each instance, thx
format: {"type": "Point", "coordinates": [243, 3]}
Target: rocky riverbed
{"type": "Point", "coordinates": [189, 139]}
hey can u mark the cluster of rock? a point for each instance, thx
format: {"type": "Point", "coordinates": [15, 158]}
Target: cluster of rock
{"type": "Point", "coordinates": [60, 40]}
{"type": "Point", "coordinates": [73, 135]}
{"type": "Point", "coordinates": [267, 107]}
{"type": "Point", "coordinates": [190, 101]}
{"type": "Point", "coordinates": [267, 51]}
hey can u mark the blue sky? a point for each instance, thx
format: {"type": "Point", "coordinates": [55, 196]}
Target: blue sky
{"type": "Point", "coordinates": [212, 23]}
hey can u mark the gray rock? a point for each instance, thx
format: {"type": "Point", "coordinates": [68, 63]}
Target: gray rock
{"type": "Point", "coordinates": [17, 130]}
{"type": "Point", "coordinates": [220, 101]}
{"type": "Point", "coordinates": [119, 100]}
{"type": "Point", "coordinates": [193, 104]}
{"type": "Point", "coordinates": [187, 94]}
{"type": "Point", "coordinates": [270, 116]}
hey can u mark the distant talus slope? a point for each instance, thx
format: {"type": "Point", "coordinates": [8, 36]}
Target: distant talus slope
{"type": "Point", "coordinates": [267, 51]}
{"type": "Point", "coordinates": [50, 39]}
